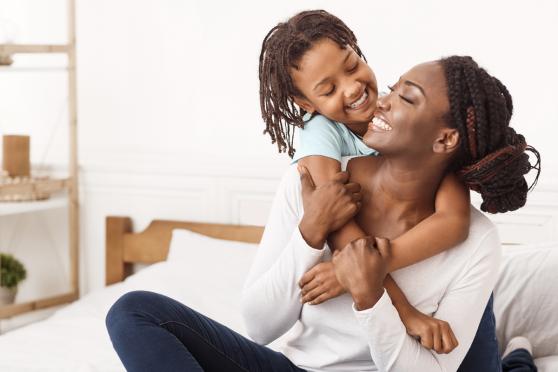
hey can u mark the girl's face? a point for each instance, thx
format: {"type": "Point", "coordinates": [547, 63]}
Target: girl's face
{"type": "Point", "coordinates": [336, 83]}
{"type": "Point", "coordinates": [410, 119]}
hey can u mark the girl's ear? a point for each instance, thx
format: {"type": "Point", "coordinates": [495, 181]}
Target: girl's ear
{"type": "Point", "coordinates": [304, 104]}
{"type": "Point", "coordinates": [447, 141]}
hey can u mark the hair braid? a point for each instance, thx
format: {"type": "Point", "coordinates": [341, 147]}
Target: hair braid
{"type": "Point", "coordinates": [493, 159]}
{"type": "Point", "coordinates": [282, 49]}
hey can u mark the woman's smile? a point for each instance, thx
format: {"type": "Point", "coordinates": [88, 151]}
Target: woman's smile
{"type": "Point", "coordinates": [379, 124]}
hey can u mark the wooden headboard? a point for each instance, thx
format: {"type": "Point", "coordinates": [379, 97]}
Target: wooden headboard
{"type": "Point", "coordinates": [124, 247]}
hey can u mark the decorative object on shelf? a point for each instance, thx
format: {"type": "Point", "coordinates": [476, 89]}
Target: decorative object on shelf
{"type": "Point", "coordinates": [12, 272]}
{"type": "Point", "coordinates": [17, 189]}
{"type": "Point", "coordinates": [17, 183]}
{"type": "Point", "coordinates": [16, 155]}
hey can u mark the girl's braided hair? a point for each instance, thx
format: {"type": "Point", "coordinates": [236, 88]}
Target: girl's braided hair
{"type": "Point", "coordinates": [282, 49]}
{"type": "Point", "coordinates": [492, 158]}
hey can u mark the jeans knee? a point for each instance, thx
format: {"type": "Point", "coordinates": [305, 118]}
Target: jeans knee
{"type": "Point", "coordinates": [128, 304]}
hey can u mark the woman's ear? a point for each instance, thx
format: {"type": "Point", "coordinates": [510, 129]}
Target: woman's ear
{"type": "Point", "coordinates": [447, 142]}
{"type": "Point", "coordinates": [304, 104]}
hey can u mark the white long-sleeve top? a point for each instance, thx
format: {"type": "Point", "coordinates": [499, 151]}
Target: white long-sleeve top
{"type": "Point", "coordinates": [454, 286]}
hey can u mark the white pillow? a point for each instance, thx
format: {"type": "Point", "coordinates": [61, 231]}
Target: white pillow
{"type": "Point", "coordinates": [526, 297]}
{"type": "Point", "coordinates": [212, 274]}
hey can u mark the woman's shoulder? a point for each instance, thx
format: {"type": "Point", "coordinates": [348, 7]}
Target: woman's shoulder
{"type": "Point", "coordinates": [362, 164]}
{"type": "Point", "coordinates": [483, 242]}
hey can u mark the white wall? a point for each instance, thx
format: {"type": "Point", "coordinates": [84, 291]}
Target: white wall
{"type": "Point", "coordinates": [169, 120]}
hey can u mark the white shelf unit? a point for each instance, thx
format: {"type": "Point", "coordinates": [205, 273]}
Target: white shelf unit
{"type": "Point", "coordinates": [70, 184]}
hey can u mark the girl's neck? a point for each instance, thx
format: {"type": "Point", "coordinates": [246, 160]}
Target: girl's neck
{"type": "Point", "coordinates": [358, 129]}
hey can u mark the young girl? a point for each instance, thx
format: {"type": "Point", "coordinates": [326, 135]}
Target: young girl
{"type": "Point", "coordinates": [313, 61]}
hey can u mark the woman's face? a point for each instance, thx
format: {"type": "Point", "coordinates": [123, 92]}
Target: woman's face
{"type": "Point", "coordinates": [336, 83]}
{"type": "Point", "coordinates": [410, 119]}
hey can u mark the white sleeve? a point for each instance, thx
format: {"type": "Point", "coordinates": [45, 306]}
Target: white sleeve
{"type": "Point", "coordinates": [271, 296]}
{"type": "Point", "coordinates": [462, 306]}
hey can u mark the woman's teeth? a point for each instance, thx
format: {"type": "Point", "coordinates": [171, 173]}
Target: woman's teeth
{"type": "Point", "coordinates": [360, 101]}
{"type": "Point", "coordinates": [380, 124]}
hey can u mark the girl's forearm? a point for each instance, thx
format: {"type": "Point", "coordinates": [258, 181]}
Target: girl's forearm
{"type": "Point", "coordinates": [352, 231]}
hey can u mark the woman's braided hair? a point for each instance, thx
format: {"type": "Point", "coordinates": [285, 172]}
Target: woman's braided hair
{"type": "Point", "coordinates": [282, 49]}
{"type": "Point", "coordinates": [493, 158]}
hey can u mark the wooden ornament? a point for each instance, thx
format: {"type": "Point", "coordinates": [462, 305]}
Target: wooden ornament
{"type": "Point", "coordinates": [16, 156]}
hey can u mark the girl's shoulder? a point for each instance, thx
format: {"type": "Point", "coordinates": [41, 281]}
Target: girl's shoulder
{"type": "Point", "coordinates": [319, 136]}
{"type": "Point", "coordinates": [321, 124]}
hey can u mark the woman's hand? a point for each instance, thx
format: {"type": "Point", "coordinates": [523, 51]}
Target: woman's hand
{"type": "Point", "coordinates": [320, 284]}
{"type": "Point", "coordinates": [361, 267]}
{"type": "Point", "coordinates": [431, 332]}
{"type": "Point", "coordinates": [327, 207]}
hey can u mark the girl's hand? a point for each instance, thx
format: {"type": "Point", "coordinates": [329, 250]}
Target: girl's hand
{"type": "Point", "coordinates": [320, 284]}
{"type": "Point", "coordinates": [431, 332]}
{"type": "Point", "coordinates": [327, 207]}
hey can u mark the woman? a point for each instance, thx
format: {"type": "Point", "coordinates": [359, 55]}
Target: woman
{"type": "Point", "coordinates": [466, 129]}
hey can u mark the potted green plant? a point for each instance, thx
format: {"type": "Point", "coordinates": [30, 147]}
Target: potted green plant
{"type": "Point", "coordinates": [12, 272]}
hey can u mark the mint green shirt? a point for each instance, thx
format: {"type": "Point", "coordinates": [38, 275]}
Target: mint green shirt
{"type": "Point", "coordinates": [321, 136]}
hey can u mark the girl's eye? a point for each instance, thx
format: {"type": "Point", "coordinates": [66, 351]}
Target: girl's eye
{"type": "Point", "coordinates": [330, 91]}
{"type": "Point", "coordinates": [354, 68]}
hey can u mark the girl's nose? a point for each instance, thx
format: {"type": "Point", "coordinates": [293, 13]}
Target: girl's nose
{"type": "Point", "coordinates": [354, 90]}
{"type": "Point", "coordinates": [383, 102]}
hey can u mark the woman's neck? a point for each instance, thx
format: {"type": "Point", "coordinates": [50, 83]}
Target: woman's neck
{"type": "Point", "coordinates": [411, 185]}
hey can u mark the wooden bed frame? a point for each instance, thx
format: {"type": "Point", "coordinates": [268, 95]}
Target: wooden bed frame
{"type": "Point", "coordinates": [124, 247]}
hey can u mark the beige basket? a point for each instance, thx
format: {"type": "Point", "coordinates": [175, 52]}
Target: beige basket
{"type": "Point", "coordinates": [18, 189]}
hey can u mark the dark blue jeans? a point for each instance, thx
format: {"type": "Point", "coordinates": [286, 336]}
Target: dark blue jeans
{"type": "Point", "coordinates": [483, 354]}
{"type": "Point", "coordinates": [152, 332]}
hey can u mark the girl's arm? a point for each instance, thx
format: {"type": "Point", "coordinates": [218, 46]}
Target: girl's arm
{"type": "Point", "coordinates": [446, 228]}
{"type": "Point", "coordinates": [449, 221]}
{"type": "Point", "coordinates": [322, 169]}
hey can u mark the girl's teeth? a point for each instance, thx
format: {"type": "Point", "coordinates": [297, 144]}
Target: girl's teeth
{"type": "Point", "coordinates": [360, 101]}
{"type": "Point", "coordinates": [379, 123]}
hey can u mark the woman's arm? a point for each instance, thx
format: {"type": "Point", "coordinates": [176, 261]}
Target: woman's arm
{"type": "Point", "coordinates": [271, 296]}
{"type": "Point", "coordinates": [462, 305]}
{"type": "Point", "coordinates": [319, 284]}
{"type": "Point", "coordinates": [322, 169]}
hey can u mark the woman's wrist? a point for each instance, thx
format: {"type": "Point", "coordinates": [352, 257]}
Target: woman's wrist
{"type": "Point", "coordinates": [312, 234]}
{"type": "Point", "coordinates": [367, 300]}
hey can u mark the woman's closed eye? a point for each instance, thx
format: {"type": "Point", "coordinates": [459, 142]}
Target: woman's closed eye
{"type": "Point", "coordinates": [408, 100]}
